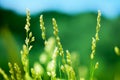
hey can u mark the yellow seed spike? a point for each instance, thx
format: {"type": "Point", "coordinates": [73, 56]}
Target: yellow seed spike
{"type": "Point", "coordinates": [98, 26]}
{"type": "Point", "coordinates": [93, 48]}
{"type": "Point", "coordinates": [55, 32]}
{"type": "Point", "coordinates": [27, 26]}
{"type": "Point", "coordinates": [17, 71]}
{"type": "Point", "coordinates": [96, 38]}
{"type": "Point", "coordinates": [11, 71]}
{"type": "Point", "coordinates": [68, 57]}
{"type": "Point", "coordinates": [42, 27]}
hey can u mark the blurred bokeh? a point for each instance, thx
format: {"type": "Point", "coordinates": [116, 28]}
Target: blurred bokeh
{"type": "Point", "coordinates": [76, 21]}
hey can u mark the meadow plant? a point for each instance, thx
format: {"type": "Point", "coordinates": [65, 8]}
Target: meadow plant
{"type": "Point", "coordinates": [57, 62]}
{"type": "Point", "coordinates": [93, 48]}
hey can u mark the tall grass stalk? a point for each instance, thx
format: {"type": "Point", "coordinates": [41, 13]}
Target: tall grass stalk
{"type": "Point", "coordinates": [94, 66]}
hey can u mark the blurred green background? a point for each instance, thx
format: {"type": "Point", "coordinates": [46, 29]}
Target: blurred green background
{"type": "Point", "coordinates": [76, 32]}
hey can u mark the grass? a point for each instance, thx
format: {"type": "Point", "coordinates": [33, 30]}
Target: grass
{"type": "Point", "coordinates": [55, 62]}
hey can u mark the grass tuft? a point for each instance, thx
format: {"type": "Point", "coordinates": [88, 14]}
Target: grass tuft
{"type": "Point", "coordinates": [55, 63]}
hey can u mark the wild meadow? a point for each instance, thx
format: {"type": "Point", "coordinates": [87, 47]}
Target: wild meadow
{"type": "Point", "coordinates": [44, 50]}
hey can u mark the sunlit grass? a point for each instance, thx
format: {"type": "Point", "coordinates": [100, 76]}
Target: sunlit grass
{"type": "Point", "coordinates": [55, 62]}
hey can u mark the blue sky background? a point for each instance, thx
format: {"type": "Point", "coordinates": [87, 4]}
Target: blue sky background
{"type": "Point", "coordinates": [109, 8]}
